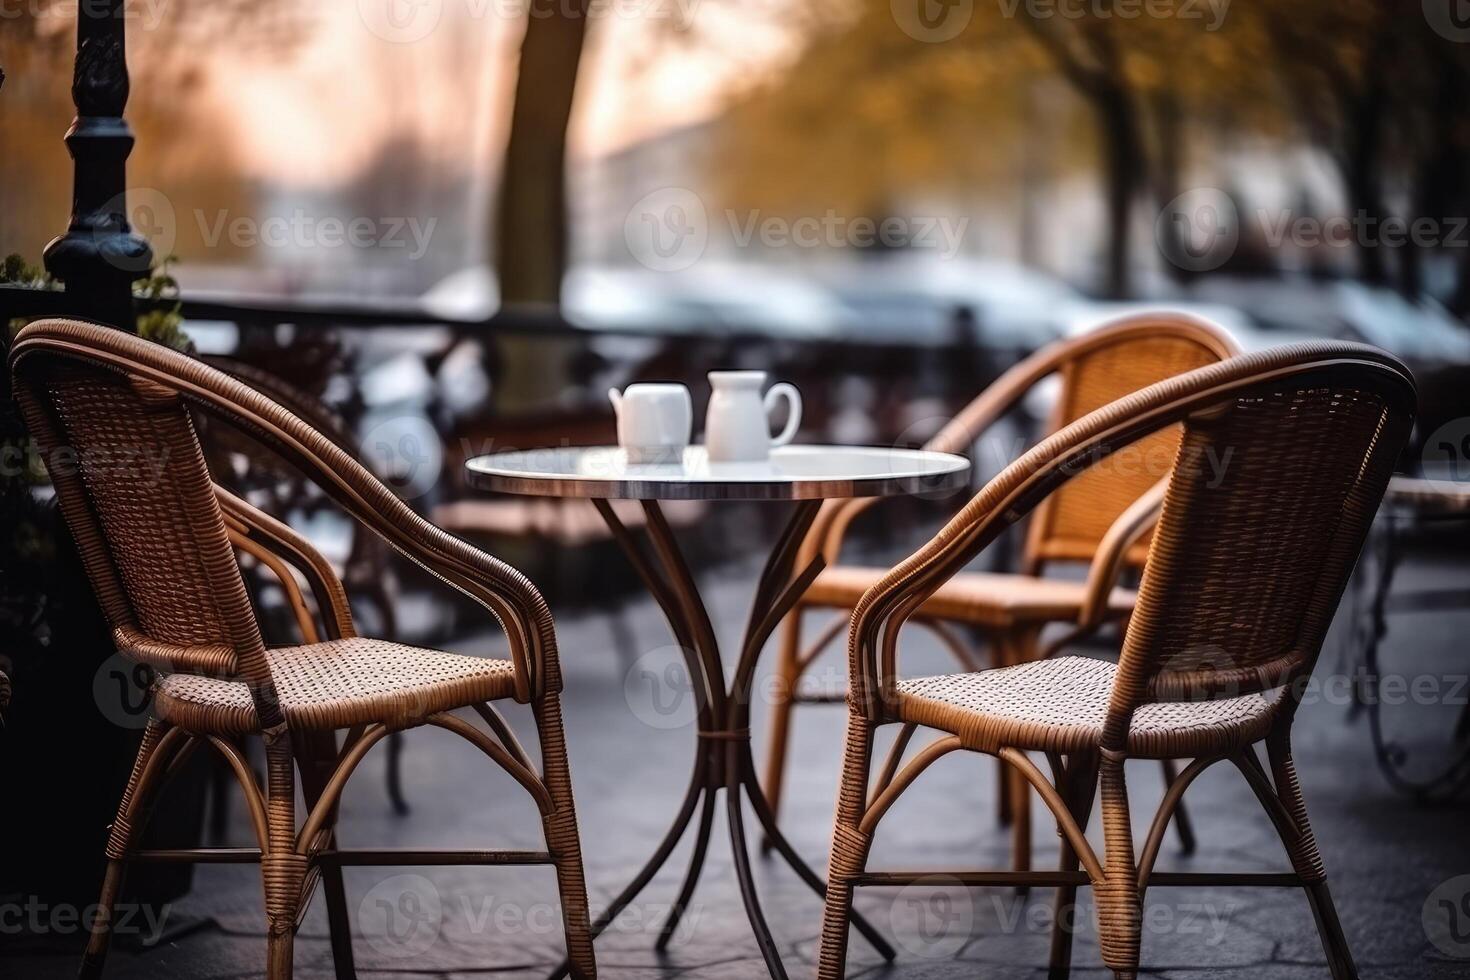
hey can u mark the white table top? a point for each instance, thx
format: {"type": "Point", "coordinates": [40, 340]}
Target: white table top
{"type": "Point", "coordinates": [792, 473]}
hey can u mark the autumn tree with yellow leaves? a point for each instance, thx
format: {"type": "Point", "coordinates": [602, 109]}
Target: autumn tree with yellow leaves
{"type": "Point", "coordinates": [893, 94]}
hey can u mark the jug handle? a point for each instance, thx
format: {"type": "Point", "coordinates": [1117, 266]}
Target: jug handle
{"type": "Point", "coordinates": [786, 390]}
{"type": "Point", "coordinates": [616, 397]}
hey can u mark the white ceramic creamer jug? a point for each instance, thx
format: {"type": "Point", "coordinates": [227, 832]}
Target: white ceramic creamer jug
{"type": "Point", "coordinates": [737, 426]}
{"type": "Point", "coordinates": [654, 421]}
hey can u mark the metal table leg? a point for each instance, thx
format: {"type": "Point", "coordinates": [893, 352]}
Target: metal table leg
{"type": "Point", "coordinates": [723, 759]}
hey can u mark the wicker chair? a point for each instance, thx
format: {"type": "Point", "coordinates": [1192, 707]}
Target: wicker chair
{"type": "Point", "coordinates": [1283, 460]}
{"type": "Point", "coordinates": [157, 539]}
{"type": "Point", "coordinates": [1102, 518]}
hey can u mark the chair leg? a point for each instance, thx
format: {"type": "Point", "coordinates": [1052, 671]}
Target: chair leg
{"type": "Point", "coordinates": [849, 848]}
{"type": "Point", "coordinates": [1306, 860]}
{"type": "Point", "coordinates": [395, 775]}
{"type": "Point", "coordinates": [788, 674]}
{"type": "Point", "coordinates": [131, 818]}
{"type": "Point", "coordinates": [316, 756]}
{"type": "Point", "coordinates": [221, 781]}
{"type": "Point", "coordinates": [1183, 826]}
{"type": "Point", "coordinates": [1019, 648]}
{"type": "Point", "coordinates": [282, 869]}
{"type": "Point", "coordinates": [1019, 796]}
{"type": "Point", "coordinates": [1079, 793]}
{"type": "Point", "coordinates": [339, 925]}
{"type": "Point", "coordinates": [1120, 920]}
{"type": "Point", "coordinates": [1334, 943]}
{"type": "Point", "coordinates": [101, 937]}
{"type": "Point", "coordinates": [560, 827]}
{"type": "Point", "coordinates": [1005, 808]}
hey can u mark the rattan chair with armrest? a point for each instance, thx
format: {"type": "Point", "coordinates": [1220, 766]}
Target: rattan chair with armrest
{"type": "Point", "coordinates": [1102, 519]}
{"type": "Point", "coordinates": [158, 538]}
{"type": "Point", "coordinates": [1284, 458]}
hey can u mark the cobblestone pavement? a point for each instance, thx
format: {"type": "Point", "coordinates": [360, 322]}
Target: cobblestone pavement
{"type": "Point", "coordinates": [631, 742]}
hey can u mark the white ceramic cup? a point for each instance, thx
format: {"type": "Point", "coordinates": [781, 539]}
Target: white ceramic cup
{"type": "Point", "coordinates": [654, 421]}
{"type": "Point", "coordinates": [737, 426]}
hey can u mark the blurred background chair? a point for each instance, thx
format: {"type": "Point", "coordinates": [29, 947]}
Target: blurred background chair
{"type": "Point", "coordinates": [1102, 519]}
{"type": "Point", "coordinates": [1439, 771]}
{"type": "Point", "coordinates": [1248, 564]}
{"type": "Point", "coordinates": [574, 542]}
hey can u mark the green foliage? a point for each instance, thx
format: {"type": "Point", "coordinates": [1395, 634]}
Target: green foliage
{"type": "Point", "coordinates": [15, 270]}
{"type": "Point", "coordinates": [160, 317]}
{"type": "Point", "coordinates": [162, 320]}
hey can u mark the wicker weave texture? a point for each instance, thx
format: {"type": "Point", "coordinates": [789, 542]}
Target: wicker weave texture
{"type": "Point", "coordinates": [1071, 523]}
{"type": "Point", "coordinates": [1061, 705]}
{"type": "Point", "coordinates": [338, 684]}
{"type": "Point", "coordinates": [1259, 500]}
{"type": "Point", "coordinates": [147, 484]}
{"type": "Point", "coordinates": [990, 599]}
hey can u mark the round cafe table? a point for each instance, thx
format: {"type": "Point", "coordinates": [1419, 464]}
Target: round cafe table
{"type": "Point", "coordinates": [806, 475]}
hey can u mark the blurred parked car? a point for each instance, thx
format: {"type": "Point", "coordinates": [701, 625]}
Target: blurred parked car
{"type": "Point", "coordinates": [927, 301]}
{"type": "Point", "coordinates": [1422, 332]}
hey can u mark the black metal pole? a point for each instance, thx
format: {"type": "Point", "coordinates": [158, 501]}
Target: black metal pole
{"type": "Point", "coordinates": [99, 257]}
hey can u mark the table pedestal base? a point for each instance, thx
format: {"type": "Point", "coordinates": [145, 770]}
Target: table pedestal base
{"type": "Point", "coordinates": [723, 759]}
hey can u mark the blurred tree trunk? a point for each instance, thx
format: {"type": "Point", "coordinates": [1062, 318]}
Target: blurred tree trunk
{"type": "Point", "coordinates": [1460, 302]}
{"type": "Point", "coordinates": [1089, 59]}
{"type": "Point", "coordinates": [1168, 171]}
{"type": "Point", "coordinates": [1124, 167]}
{"type": "Point", "coordinates": [1438, 190]}
{"type": "Point", "coordinates": [531, 216]}
{"type": "Point", "coordinates": [1363, 171]}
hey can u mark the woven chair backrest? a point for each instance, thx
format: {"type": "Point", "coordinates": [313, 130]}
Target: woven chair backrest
{"type": "Point", "coordinates": [1269, 504]}
{"type": "Point", "coordinates": [132, 484]}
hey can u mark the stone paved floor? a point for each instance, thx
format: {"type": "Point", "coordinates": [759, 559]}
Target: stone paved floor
{"type": "Point", "coordinates": [631, 746]}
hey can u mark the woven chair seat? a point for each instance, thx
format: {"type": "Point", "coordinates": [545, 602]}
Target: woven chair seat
{"type": "Point", "coordinates": [338, 684]}
{"type": "Point", "coordinates": [980, 598]}
{"type": "Point", "coordinates": [1061, 704]}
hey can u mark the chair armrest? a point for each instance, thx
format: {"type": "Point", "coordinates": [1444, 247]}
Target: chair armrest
{"type": "Point", "coordinates": [253, 530]}
{"type": "Point", "coordinates": [1112, 552]}
{"type": "Point", "coordinates": [500, 589]}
